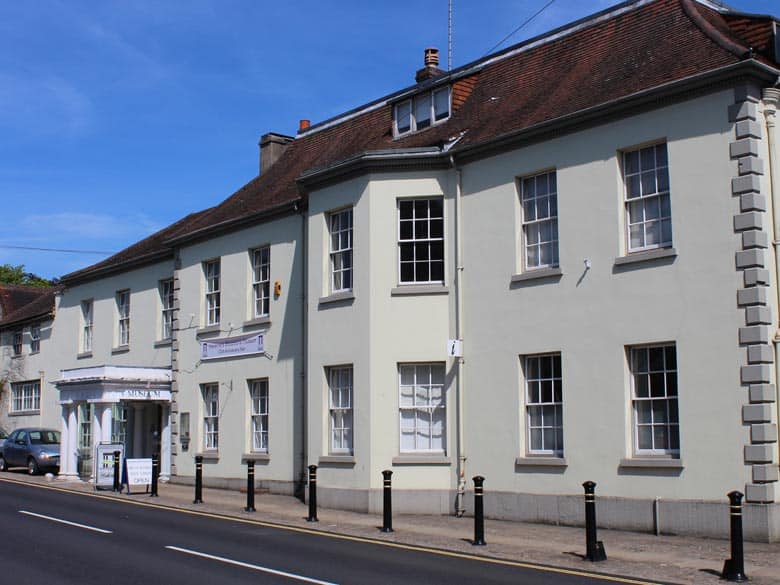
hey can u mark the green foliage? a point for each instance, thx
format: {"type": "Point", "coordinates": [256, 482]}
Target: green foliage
{"type": "Point", "coordinates": [16, 275]}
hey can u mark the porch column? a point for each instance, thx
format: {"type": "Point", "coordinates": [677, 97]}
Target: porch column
{"type": "Point", "coordinates": [165, 443]}
{"type": "Point", "coordinates": [138, 429]}
{"type": "Point", "coordinates": [105, 422]}
{"type": "Point", "coordinates": [68, 442]}
{"type": "Point", "coordinates": [71, 453]}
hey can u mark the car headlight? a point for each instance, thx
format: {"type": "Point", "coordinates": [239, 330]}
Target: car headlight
{"type": "Point", "coordinates": [45, 455]}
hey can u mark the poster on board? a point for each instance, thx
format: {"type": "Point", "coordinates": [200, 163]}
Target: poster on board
{"type": "Point", "coordinates": [104, 468]}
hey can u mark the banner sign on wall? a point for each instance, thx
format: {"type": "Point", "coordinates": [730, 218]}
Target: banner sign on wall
{"type": "Point", "coordinates": [232, 346]}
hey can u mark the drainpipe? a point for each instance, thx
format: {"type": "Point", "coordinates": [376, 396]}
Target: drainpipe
{"type": "Point", "coordinates": [771, 97]}
{"type": "Point", "coordinates": [459, 506]}
{"type": "Point", "coordinates": [304, 254]}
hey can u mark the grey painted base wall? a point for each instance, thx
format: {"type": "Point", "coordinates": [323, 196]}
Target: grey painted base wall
{"type": "Point", "coordinates": [285, 488]}
{"type": "Point", "coordinates": [761, 522]}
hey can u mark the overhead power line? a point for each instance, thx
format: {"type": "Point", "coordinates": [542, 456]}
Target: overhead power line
{"type": "Point", "coordinates": [64, 251]}
{"type": "Point", "coordinates": [510, 35]}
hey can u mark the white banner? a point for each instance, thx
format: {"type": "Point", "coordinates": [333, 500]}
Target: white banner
{"type": "Point", "coordinates": [231, 346]}
{"type": "Point", "coordinates": [139, 471]}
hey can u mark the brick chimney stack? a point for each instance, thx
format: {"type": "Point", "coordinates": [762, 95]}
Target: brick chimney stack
{"type": "Point", "coordinates": [271, 148]}
{"type": "Point", "coordinates": [431, 68]}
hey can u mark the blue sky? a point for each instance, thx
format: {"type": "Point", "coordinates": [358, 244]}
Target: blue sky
{"type": "Point", "coordinates": [120, 117]}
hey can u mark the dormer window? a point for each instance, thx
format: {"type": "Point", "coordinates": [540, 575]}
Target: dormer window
{"type": "Point", "coordinates": [425, 109]}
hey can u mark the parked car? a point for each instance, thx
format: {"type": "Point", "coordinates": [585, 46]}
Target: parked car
{"type": "Point", "coordinates": [37, 449]}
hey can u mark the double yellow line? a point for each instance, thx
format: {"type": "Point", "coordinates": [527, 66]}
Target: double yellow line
{"type": "Point", "coordinates": [362, 539]}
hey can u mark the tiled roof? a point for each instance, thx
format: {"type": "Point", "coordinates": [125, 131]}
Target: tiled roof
{"type": "Point", "coordinates": [25, 303]}
{"type": "Point", "coordinates": [623, 51]}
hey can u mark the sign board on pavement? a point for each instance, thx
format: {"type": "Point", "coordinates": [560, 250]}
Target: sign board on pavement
{"type": "Point", "coordinates": [139, 472]}
{"type": "Point", "coordinates": [104, 458]}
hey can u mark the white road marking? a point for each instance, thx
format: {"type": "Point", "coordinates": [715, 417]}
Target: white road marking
{"type": "Point", "coordinates": [250, 566]}
{"type": "Point", "coordinates": [61, 521]}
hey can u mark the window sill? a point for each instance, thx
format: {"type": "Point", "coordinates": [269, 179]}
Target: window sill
{"type": "Point", "coordinates": [207, 330]}
{"type": "Point", "coordinates": [342, 296]}
{"type": "Point", "coordinates": [646, 256]}
{"type": "Point", "coordinates": [16, 356]}
{"type": "Point", "coordinates": [261, 457]}
{"type": "Point", "coordinates": [652, 463]}
{"type": "Point", "coordinates": [34, 352]}
{"type": "Point", "coordinates": [540, 462]}
{"type": "Point", "coordinates": [83, 355]}
{"type": "Point", "coordinates": [337, 460]}
{"type": "Point", "coordinates": [163, 343]}
{"type": "Point", "coordinates": [211, 456]}
{"type": "Point", "coordinates": [120, 349]}
{"type": "Point", "coordinates": [537, 274]}
{"type": "Point", "coordinates": [419, 289]}
{"type": "Point", "coordinates": [258, 322]}
{"type": "Point", "coordinates": [24, 412]}
{"type": "Point", "coordinates": [424, 459]}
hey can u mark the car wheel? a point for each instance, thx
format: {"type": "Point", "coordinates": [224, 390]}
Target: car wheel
{"type": "Point", "coordinates": [3, 464]}
{"type": "Point", "coordinates": [32, 466]}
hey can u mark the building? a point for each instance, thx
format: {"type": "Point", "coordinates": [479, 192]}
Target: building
{"type": "Point", "coordinates": [552, 265]}
{"type": "Point", "coordinates": [26, 318]}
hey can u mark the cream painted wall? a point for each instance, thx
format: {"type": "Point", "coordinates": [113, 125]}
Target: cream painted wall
{"type": "Point", "coordinates": [281, 365]}
{"type": "Point", "coordinates": [375, 331]}
{"type": "Point", "coordinates": [590, 317]}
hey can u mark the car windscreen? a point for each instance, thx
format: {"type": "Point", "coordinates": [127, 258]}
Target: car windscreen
{"type": "Point", "coordinates": [44, 437]}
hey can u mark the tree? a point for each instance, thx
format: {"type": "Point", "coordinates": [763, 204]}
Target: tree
{"type": "Point", "coordinates": [16, 275]}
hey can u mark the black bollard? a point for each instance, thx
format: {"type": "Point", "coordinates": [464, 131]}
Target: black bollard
{"type": "Point", "coordinates": [387, 508]}
{"type": "Point", "coordinates": [312, 494]}
{"type": "Point", "coordinates": [117, 484]}
{"type": "Point", "coordinates": [734, 568]}
{"type": "Point", "coordinates": [250, 486]}
{"type": "Point", "coordinates": [198, 480]}
{"type": "Point", "coordinates": [155, 474]}
{"type": "Point", "coordinates": [594, 548]}
{"type": "Point", "coordinates": [479, 512]}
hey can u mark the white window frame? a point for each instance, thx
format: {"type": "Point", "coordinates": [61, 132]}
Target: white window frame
{"type": "Point", "coordinates": [26, 396]}
{"type": "Point", "coordinates": [654, 381]}
{"type": "Point", "coordinates": [539, 209]}
{"type": "Point", "coordinates": [167, 299]}
{"type": "Point", "coordinates": [210, 416]}
{"type": "Point", "coordinates": [212, 275]}
{"type": "Point", "coordinates": [123, 317]}
{"type": "Point", "coordinates": [417, 405]}
{"type": "Point", "coordinates": [417, 103]}
{"type": "Point", "coordinates": [340, 224]}
{"type": "Point", "coordinates": [425, 238]}
{"type": "Point", "coordinates": [259, 399]}
{"type": "Point", "coordinates": [341, 416]}
{"type": "Point", "coordinates": [544, 404]}
{"type": "Point", "coordinates": [87, 322]}
{"type": "Point", "coordinates": [85, 414]}
{"type": "Point", "coordinates": [648, 207]}
{"type": "Point", "coordinates": [17, 342]}
{"type": "Point", "coordinates": [261, 281]}
{"type": "Point", "coordinates": [118, 423]}
{"type": "Point", "coordinates": [35, 338]}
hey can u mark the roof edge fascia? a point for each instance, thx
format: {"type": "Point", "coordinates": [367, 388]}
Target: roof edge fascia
{"type": "Point", "coordinates": [375, 160]}
{"type": "Point", "coordinates": [38, 317]}
{"type": "Point", "coordinates": [744, 69]}
{"type": "Point", "coordinates": [286, 208]}
{"type": "Point", "coordinates": [88, 275]}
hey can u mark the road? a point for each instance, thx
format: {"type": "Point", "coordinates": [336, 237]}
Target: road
{"type": "Point", "coordinates": [56, 537]}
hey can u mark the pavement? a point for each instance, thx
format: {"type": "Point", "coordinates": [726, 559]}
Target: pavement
{"type": "Point", "coordinates": [642, 557]}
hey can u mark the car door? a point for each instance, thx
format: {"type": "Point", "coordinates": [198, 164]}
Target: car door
{"type": "Point", "coordinates": [18, 449]}
{"type": "Point", "coordinates": [9, 447]}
